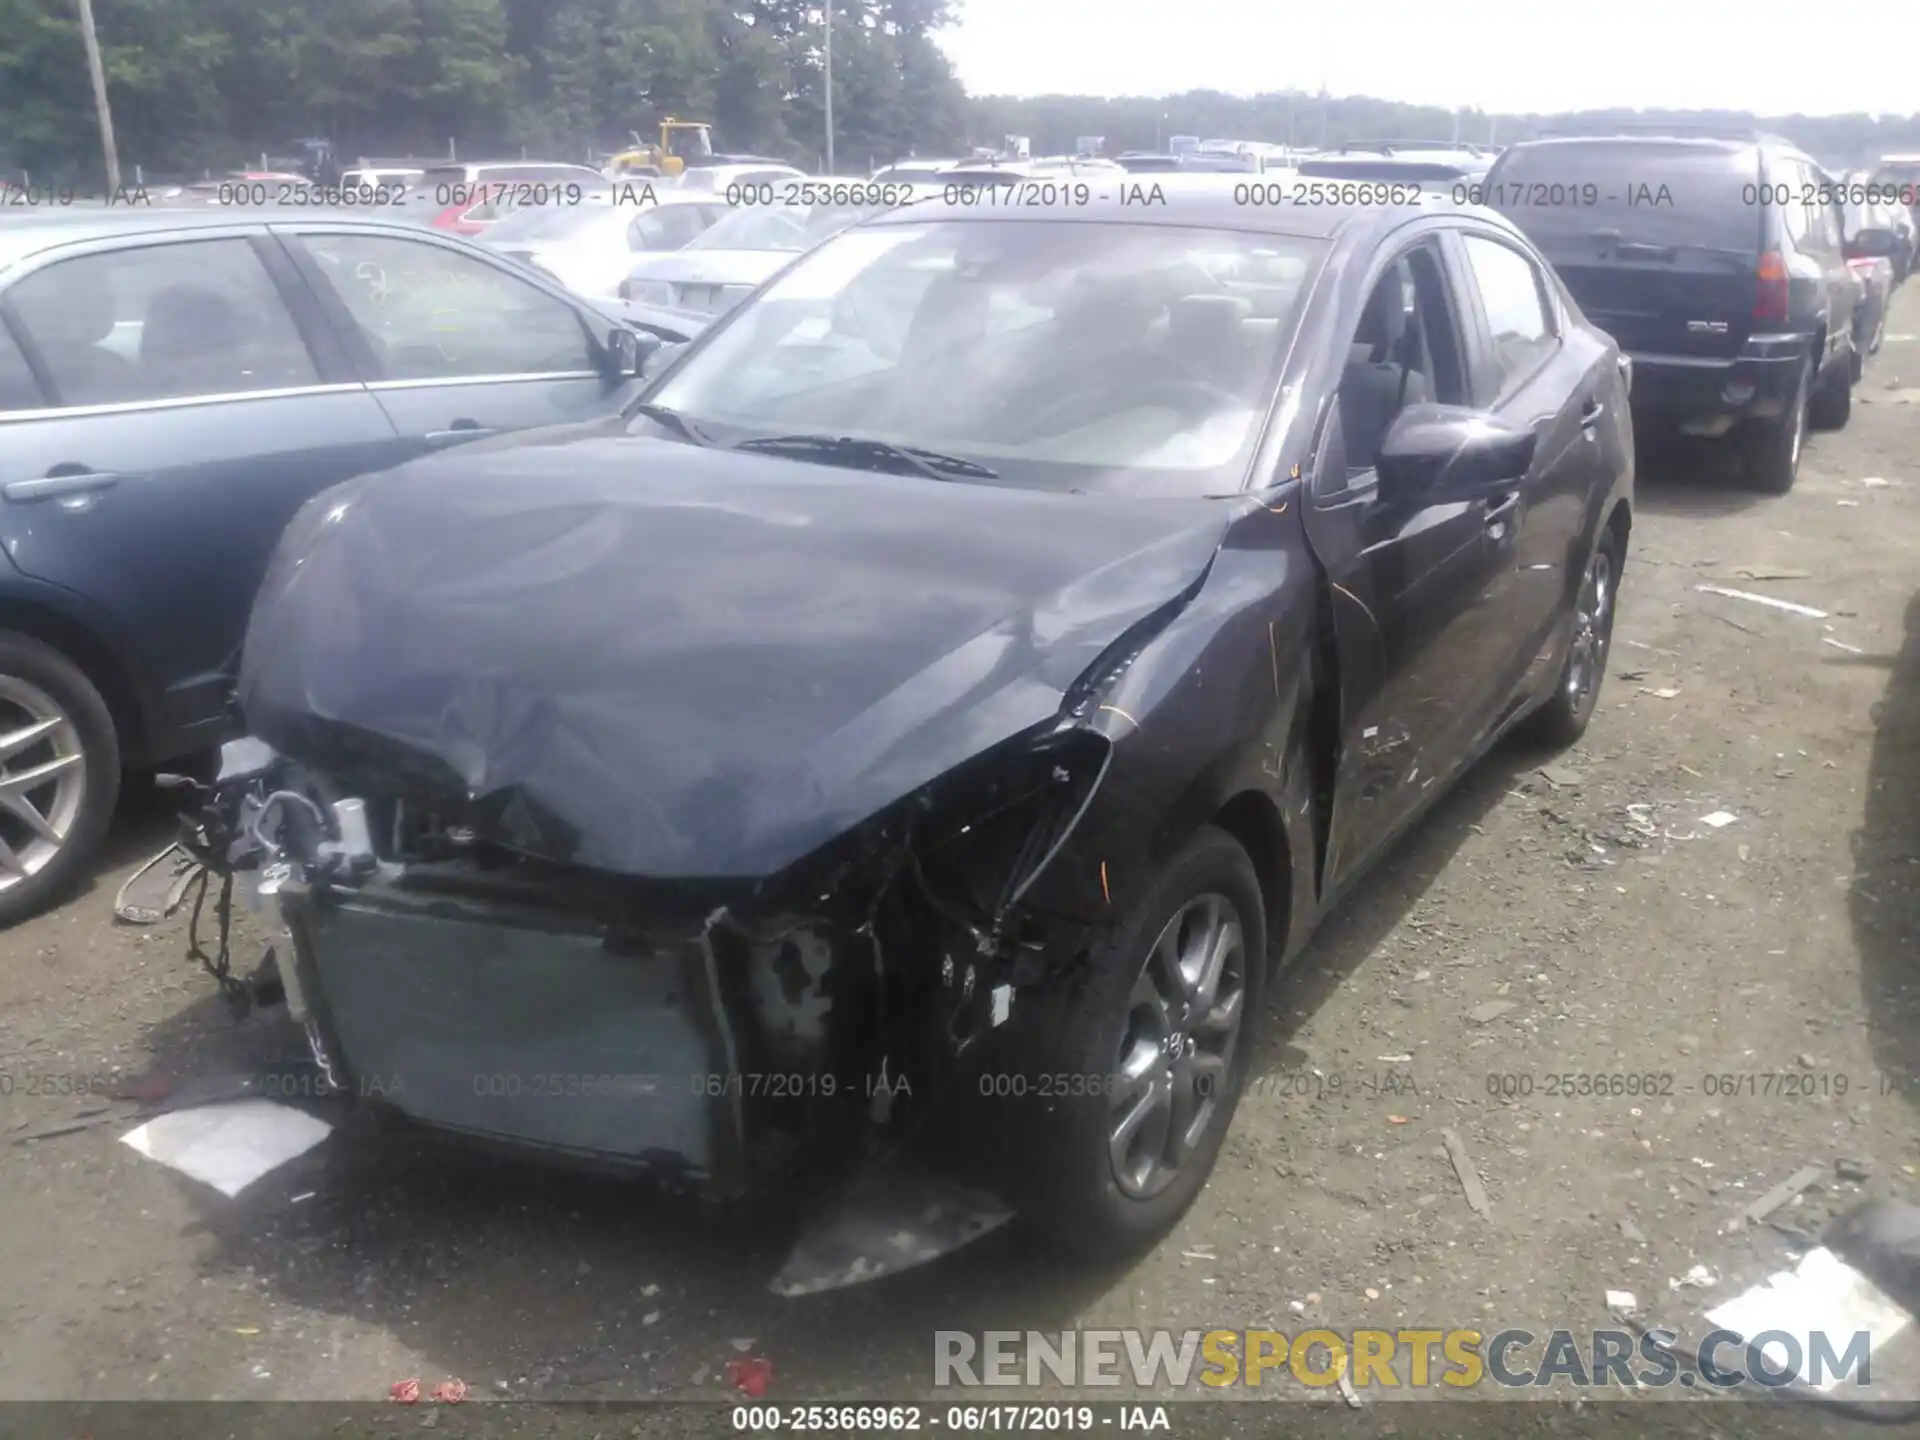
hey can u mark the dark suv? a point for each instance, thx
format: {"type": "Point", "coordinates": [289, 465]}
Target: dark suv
{"type": "Point", "coordinates": [1718, 263]}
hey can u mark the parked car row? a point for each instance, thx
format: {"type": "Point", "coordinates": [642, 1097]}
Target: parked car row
{"type": "Point", "coordinates": [1740, 279]}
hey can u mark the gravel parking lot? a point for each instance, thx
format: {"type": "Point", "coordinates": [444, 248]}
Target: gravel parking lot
{"type": "Point", "coordinates": [1558, 917]}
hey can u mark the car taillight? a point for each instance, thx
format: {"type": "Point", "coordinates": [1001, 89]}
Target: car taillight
{"type": "Point", "coordinates": [1770, 298]}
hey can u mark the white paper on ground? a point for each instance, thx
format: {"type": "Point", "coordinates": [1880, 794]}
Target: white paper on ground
{"type": "Point", "coordinates": [228, 1146]}
{"type": "Point", "coordinates": [1822, 1294]}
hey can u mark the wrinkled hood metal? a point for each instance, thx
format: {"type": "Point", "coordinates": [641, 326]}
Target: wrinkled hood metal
{"type": "Point", "coordinates": [701, 663]}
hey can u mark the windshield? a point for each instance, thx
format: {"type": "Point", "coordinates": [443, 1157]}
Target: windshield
{"type": "Point", "coordinates": [1659, 192]}
{"type": "Point", "coordinates": [779, 227]}
{"type": "Point", "coordinates": [1058, 355]}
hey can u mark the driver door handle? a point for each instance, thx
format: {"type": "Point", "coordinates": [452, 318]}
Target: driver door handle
{"type": "Point", "coordinates": [1591, 413]}
{"type": "Point", "coordinates": [458, 433]}
{"type": "Point", "coordinates": [1501, 507]}
{"type": "Point", "coordinates": [61, 480]}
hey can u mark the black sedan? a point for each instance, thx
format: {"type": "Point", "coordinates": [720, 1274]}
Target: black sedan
{"type": "Point", "coordinates": [928, 720]}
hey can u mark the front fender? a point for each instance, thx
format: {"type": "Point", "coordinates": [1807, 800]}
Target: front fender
{"type": "Point", "coordinates": [1212, 709]}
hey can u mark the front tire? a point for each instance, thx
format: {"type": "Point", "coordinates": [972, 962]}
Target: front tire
{"type": "Point", "coordinates": [1163, 1016]}
{"type": "Point", "coordinates": [1565, 716]}
{"type": "Point", "coordinates": [59, 774]}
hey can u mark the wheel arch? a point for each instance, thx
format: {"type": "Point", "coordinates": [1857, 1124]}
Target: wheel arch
{"type": "Point", "coordinates": [97, 659]}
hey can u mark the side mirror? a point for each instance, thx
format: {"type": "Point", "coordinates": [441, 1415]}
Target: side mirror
{"type": "Point", "coordinates": [1435, 453]}
{"type": "Point", "coordinates": [1867, 243]}
{"type": "Point", "coordinates": [627, 351]}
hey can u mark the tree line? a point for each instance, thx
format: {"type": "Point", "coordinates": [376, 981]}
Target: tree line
{"type": "Point", "coordinates": [211, 85]}
{"type": "Point", "coordinates": [214, 84]}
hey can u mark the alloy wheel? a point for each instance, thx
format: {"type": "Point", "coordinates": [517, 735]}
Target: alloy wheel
{"type": "Point", "coordinates": [43, 779]}
{"type": "Point", "coordinates": [1592, 631]}
{"type": "Point", "coordinates": [1175, 1061]}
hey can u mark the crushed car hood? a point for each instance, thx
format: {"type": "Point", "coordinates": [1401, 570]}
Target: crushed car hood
{"type": "Point", "coordinates": [693, 662]}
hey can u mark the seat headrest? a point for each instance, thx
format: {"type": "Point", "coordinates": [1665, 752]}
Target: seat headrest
{"type": "Point", "coordinates": [1384, 320]}
{"type": "Point", "coordinates": [193, 323]}
{"type": "Point", "coordinates": [1204, 322]}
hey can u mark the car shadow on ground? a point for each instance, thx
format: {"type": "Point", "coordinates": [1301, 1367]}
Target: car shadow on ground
{"type": "Point", "coordinates": [1691, 478]}
{"type": "Point", "coordinates": [1884, 899]}
{"type": "Point", "coordinates": [1382, 899]}
{"type": "Point", "coordinates": [542, 1282]}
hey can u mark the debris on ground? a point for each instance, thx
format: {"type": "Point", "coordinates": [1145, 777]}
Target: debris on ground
{"type": "Point", "coordinates": [1697, 1278]}
{"type": "Point", "coordinates": [1469, 1177]}
{"type": "Point", "coordinates": [1559, 776]}
{"type": "Point", "coordinates": [1841, 645]}
{"type": "Point", "coordinates": [407, 1392]}
{"type": "Point", "coordinates": [1632, 1231]}
{"type": "Point", "coordinates": [1783, 1192]}
{"type": "Point", "coordinates": [1791, 606]}
{"type": "Point", "coordinates": [1491, 1011]}
{"type": "Point", "coordinates": [1719, 819]}
{"type": "Point", "coordinates": [1665, 692]}
{"type": "Point", "coordinates": [750, 1374]}
{"type": "Point", "coordinates": [450, 1392]}
{"type": "Point", "coordinates": [1621, 1303]}
{"type": "Point", "coordinates": [1348, 1393]}
{"type": "Point", "coordinates": [1854, 1170]}
{"type": "Point", "coordinates": [1746, 572]}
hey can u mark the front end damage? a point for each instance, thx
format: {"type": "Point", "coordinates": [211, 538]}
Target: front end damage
{"type": "Point", "coordinates": [696, 811]}
{"type": "Point", "coordinates": [834, 1021]}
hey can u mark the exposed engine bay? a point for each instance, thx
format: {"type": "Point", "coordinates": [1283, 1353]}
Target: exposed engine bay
{"type": "Point", "coordinates": [722, 1036]}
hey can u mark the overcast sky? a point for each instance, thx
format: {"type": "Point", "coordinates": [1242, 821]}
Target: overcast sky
{"type": "Point", "coordinates": [1501, 55]}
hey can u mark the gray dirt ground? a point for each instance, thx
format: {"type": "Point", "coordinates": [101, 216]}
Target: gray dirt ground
{"type": "Point", "coordinates": [1620, 934]}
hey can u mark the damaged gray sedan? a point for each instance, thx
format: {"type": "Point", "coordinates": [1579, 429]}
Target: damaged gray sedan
{"type": "Point", "coordinates": [906, 743]}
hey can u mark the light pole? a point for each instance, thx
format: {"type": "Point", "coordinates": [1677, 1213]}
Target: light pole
{"type": "Point", "coordinates": [99, 75]}
{"type": "Point", "coordinates": [829, 76]}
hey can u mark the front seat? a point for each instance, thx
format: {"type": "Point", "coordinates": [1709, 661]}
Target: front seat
{"type": "Point", "coordinates": [68, 311]}
{"type": "Point", "coordinates": [195, 342]}
{"type": "Point", "coordinates": [1205, 334]}
{"type": "Point", "coordinates": [1378, 381]}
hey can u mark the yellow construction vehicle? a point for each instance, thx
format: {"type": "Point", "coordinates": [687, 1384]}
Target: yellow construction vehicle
{"type": "Point", "coordinates": [681, 142]}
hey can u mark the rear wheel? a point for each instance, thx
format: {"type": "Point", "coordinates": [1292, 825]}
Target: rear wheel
{"type": "Point", "coordinates": [1564, 718]}
{"type": "Point", "coordinates": [1157, 1030]}
{"type": "Point", "coordinates": [59, 774]}
{"type": "Point", "coordinates": [1772, 447]}
{"type": "Point", "coordinates": [1832, 402]}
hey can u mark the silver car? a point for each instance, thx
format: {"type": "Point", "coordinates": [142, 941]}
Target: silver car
{"type": "Point", "coordinates": [590, 247]}
{"type": "Point", "coordinates": [721, 267]}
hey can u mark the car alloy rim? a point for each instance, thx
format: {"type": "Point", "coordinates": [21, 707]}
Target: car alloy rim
{"type": "Point", "coordinates": [1183, 1026]}
{"type": "Point", "coordinates": [1592, 630]}
{"type": "Point", "coordinates": [43, 779]}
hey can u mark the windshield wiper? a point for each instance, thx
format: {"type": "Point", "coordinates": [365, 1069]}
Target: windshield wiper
{"type": "Point", "coordinates": [851, 449]}
{"type": "Point", "coordinates": [674, 421]}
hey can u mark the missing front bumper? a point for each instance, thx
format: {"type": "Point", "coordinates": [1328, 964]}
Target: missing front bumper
{"type": "Point", "coordinates": [517, 1025]}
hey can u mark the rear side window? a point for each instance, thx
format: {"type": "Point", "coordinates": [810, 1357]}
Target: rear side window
{"type": "Point", "coordinates": [1657, 193]}
{"type": "Point", "coordinates": [1510, 297]}
{"type": "Point", "coordinates": [18, 389]}
{"type": "Point", "coordinates": [161, 322]}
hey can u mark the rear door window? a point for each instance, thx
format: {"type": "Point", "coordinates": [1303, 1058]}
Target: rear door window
{"type": "Point", "coordinates": [1653, 192]}
{"type": "Point", "coordinates": [1511, 298]}
{"type": "Point", "coordinates": [161, 322]}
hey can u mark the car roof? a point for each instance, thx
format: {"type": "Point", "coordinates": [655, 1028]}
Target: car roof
{"type": "Point", "coordinates": [24, 235]}
{"type": "Point", "coordinates": [1202, 201]}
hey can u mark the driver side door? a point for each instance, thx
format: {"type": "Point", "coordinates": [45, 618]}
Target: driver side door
{"type": "Point", "coordinates": [1411, 579]}
{"type": "Point", "coordinates": [453, 345]}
